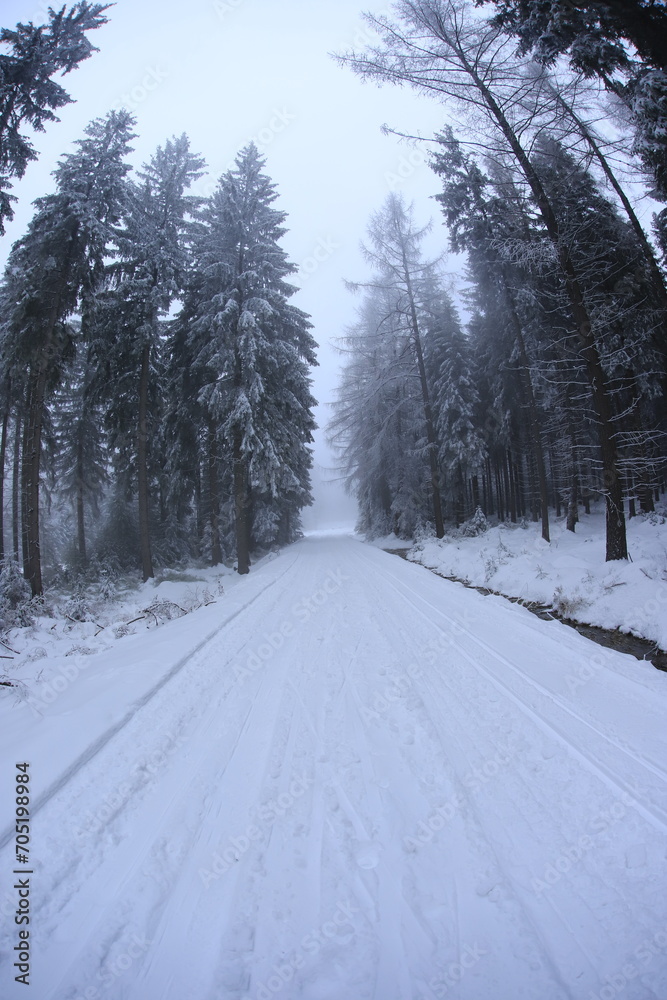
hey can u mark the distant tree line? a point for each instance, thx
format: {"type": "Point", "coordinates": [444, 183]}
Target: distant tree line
{"type": "Point", "coordinates": [554, 393]}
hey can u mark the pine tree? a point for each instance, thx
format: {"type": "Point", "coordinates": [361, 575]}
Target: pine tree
{"type": "Point", "coordinates": [255, 349]}
{"type": "Point", "coordinates": [596, 36]}
{"type": "Point", "coordinates": [451, 367]}
{"type": "Point", "coordinates": [594, 33]}
{"type": "Point", "coordinates": [28, 95]}
{"type": "Point", "coordinates": [149, 272]}
{"type": "Point", "coordinates": [59, 261]}
{"type": "Point", "coordinates": [484, 222]}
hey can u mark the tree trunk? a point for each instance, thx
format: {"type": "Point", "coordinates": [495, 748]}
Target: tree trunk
{"type": "Point", "coordinates": [475, 492]}
{"type": "Point", "coordinates": [572, 511]}
{"type": "Point", "coordinates": [30, 472]}
{"type": "Point", "coordinates": [509, 484]}
{"type": "Point", "coordinates": [3, 453]}
{"type": "Point", "coordinates": [241, 507]}
{"type": "Point", "coordinates": [490, 506]}
{"type": "Point", "coordinates": [519, 490]}
{"type": "Point", "coordinates": [533, 418]}
{"type": "Point", "coordinates": [199, 503]}
{"type": "Point", "coordinates": [428, 412]}
{"type": "Point", "coordinates": [499, 493]}
{"type": "Point", "coordinates": [16, 476]}
{"type": "Point", "coordinates": [142, 468]}
{"type": "Point", "coordinates": [460, 497]}
{"type": "Point", "coordinates": [80, 506]}
{"type": "Point", "coordinates": [214, 494]}
{"type": "Point", "coordinates": [645, 494]}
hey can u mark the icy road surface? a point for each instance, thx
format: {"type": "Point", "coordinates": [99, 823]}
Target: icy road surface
{"type": "Point", "coordinates": [347, 779]}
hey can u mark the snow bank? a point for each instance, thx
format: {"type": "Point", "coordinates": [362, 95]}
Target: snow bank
{"type": "Point", "coordinates": [88, 623]}
{"type": "Point", "coordinates": [569, 574]}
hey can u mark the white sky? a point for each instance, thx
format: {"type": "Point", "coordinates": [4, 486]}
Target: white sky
{"type": "Point", "coordinates": [226, 71]}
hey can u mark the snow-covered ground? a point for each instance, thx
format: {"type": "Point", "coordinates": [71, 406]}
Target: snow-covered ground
{"type": "Point", "coordinates": [345, 779]}
{"type": "Point", "coordinates": [569, 574]}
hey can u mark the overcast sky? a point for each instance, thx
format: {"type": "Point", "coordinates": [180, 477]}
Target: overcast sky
{"type": "Point", "coordinates": [228, 71]}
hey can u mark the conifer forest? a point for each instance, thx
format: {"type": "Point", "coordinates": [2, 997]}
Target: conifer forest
{"type": "Point", "coordinates": [156, 400]}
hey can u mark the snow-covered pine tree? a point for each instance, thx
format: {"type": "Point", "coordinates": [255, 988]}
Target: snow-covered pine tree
{"type": "Point", "coordinates": [624, 44]}
{"type": "Point", "coordinates": [256, 349]}
{"type": "Point", "coordinates": [153, 258]}
{"type": "Point", "coordinates": [451, 372]}
{"type": "Point", "coordinates": [28, 94]}
{"type": "Point", "coordinates": [59, 261]}
{"type": "Point", "coordinates": [617, 286]}
{"type": "Point", "coordinates": [484, 219]}
{"type": "Point", "coordinates": [190, 505]}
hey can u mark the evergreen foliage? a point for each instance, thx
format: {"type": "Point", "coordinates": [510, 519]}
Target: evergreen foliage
{"type": "Point", "coordinates": [28, 94]}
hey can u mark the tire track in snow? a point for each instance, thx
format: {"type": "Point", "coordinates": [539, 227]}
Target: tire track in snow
{"type": "Point", "coordinates": [178, 813]}
{"type": "Point", "coordinates": [486, 857]}
{"type": "Point", "coordinates": [634, 918]}
{"type": "Point", "coordinates": [97, 745]}
{"type": "Point", "coordinates": [658, 819]}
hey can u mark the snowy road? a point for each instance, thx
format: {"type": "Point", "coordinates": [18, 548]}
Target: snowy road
{"type": "Point", "coordinates": [368, 783]}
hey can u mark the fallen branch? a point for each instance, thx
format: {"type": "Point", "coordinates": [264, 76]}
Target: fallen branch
{"type": "Point", "coordinates": [7, 646]}
{"type": "Point", "coordinates": [80, 621]}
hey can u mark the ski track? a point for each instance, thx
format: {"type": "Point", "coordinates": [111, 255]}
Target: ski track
{"type": "Point", "coordinates": [381, 796]}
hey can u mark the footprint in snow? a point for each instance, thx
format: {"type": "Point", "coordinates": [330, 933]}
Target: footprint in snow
{"type": "Point", "coordinates": [367, 855]}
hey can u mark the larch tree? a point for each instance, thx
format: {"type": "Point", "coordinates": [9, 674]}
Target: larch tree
{"type": "Point", "coordinates": [377, 428]}
{"type": "Point", "coordinates": [394, 251]}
